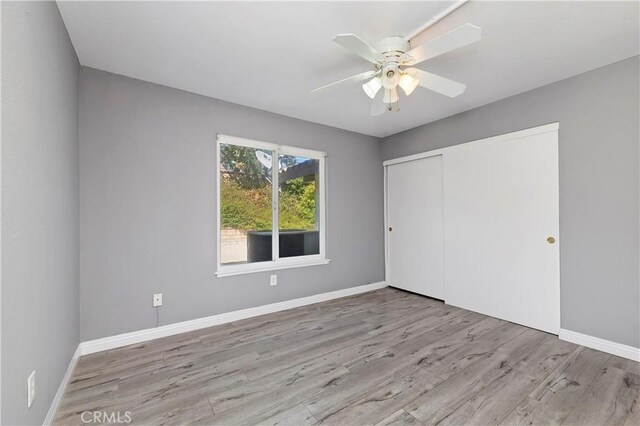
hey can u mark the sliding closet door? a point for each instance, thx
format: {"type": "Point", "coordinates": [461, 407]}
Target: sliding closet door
{"type": "Point", "coordinates": [501, 229]}
{"type": "Point", "coordinates": [415, 226]}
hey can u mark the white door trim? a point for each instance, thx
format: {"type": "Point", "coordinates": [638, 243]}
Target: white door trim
{"type": "Point", "coordinates": [546, 128]}
{"type": "Point", "coordinates": [551, 127]}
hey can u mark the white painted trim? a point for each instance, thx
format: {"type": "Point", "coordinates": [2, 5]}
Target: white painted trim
{"type": "Point", "coordinates": [277, 263]}
{"type": "Point", "coordinates": [217, 161]}
{"type": "Point", "coordinates": [603, 345]}
{"type": "Point", "coordinates": [386, 225]}
{"type": "Point", "coordinates": [273, 265]}
{"type": "Point", "coordinates": [507, 136]}
{"type": "Point", "coordinates": [125, 339]}
{"type": "Point", "coordinates": [275, 215]}
{"type": "Point", "coordinates": [287, 150]}
{"type": "Point", "coordinates": [322, 196]}
{"type": "Point", "coordinates": [545, 128]}
{"type": "Point", "coordinates": [55, 404]}
{"type": "Point", "coordinates": [517, 134]}
{"type": "Point", "coordinates": [250, 143]}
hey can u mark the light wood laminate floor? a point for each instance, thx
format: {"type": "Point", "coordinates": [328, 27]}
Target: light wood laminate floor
{"type": "Point", "coordinates": [379, 358]}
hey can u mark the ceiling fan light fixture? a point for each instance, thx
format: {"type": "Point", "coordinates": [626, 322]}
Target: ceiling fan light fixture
{"type": "Point", "coordinates": [392, 59]}
{"type": "Point", "coordinates": [390, 96]}
{"type": "Point", "coordinates": [390, 77]}
{"type": "Point", "coordinates": [408, 83]}
{"type": "Point", "coordinates": [372, 86]}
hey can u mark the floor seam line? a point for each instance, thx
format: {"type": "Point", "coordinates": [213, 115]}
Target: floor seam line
{"type": "Point", "coordinates": [309, 411]}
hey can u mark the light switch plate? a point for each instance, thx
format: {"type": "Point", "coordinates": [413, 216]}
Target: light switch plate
{"type": "Point", "coordinates": [157, 300]}
{"type": "Point", "coordinates": [274, 280]}
{"type": "Point", "coordinates": [31, 388]}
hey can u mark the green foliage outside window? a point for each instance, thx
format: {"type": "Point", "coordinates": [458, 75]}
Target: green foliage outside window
{"type": "Point", "coordinates": [250, 208]}
{"type": "Point", "coordinates": [298, 204]}
{"type": "Point", "coordinates": [244, 208]}
{"type": "Point", "coordinates": [245, 194]}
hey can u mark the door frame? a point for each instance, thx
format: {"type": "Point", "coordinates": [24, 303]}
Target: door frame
{"type": "Point", "coordinates": [545, 128]}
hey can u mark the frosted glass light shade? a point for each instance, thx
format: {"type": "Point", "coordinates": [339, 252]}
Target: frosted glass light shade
{"type": "Point", "coordinates": [408, 83]}
{"type": "Point", "coordinates": [372, 86]}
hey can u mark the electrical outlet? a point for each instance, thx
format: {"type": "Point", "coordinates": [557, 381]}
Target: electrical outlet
{"type": "Point", "coordinates": [157, 300]}
{"type": "Point", "coordinates": [274, 280]}
{"type": "Point", "coordinates": [31, 388]}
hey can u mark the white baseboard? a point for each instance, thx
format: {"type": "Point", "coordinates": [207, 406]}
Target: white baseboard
{"type": "Point", "coordinates": [607, 346]}
{"type": "Point", "coordinates": [55, 404]}
{"type": "Point", "coordinates": [125, 339]}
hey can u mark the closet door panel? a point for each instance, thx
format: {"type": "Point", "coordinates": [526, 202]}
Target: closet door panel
{"type": "Point", "coordinates": [501, 250]}
{"type": "Point", "coordinates": [415, 226]}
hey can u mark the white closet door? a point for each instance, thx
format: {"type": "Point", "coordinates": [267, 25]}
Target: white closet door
{"type": "Point", "coordinates": [415, 226]}
{"type": "Point", "coordinates": [501, 206]}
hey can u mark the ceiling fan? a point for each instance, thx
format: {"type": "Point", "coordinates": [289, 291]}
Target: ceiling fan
{"type": "Point", "coordinates": [392, 60]}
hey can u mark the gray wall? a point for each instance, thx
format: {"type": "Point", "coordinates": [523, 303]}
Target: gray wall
{"type": "Point", "coordinates": [39, 206]}
{"type": "Point", "coordinates": [599, 186]}
{"type": "Point", "coordinates": [148, 206]}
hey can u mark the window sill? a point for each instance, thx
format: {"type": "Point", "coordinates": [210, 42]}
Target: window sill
{"type": "Point", "coordinates": [228, 271]}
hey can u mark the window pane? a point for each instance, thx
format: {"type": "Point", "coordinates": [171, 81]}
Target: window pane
{"type": "Point", "coordinates": [246, 208]}
{"type": "Point", "coordinates": [299, 206]}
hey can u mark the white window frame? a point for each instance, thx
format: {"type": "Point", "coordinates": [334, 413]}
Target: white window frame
{"type": "Point", "coordinates": [277, 262]}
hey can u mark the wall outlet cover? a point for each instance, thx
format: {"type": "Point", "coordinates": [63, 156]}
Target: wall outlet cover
{"type": "Point", "coordinates": [274, 280]}
{"type": "Point", "coordinates": [157, 300]}
{"type": "Point", "coordinates": [31, 388]}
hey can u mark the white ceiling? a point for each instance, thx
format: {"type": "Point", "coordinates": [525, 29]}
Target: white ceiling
{"type": "Point", "coordinates": [269, 55]}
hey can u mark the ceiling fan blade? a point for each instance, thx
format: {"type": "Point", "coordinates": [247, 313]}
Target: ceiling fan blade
{"type": "Point", "coordinates": [353, 78]}
{"type": "Point", "coordinates": [378, 107]}
{"type": "Point", "coordinates": [461, 36]}
{"type": "Point", "coordinates": [358, 46]}
{"type": "Point", "coordinates": [437, 83]}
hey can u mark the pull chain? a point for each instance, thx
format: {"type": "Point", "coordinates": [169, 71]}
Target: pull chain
{"type": "Point", "coordinates": [397, 103]}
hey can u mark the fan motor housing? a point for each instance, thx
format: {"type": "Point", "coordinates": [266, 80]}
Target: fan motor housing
{"type": "Point", "coordinates": [392, 45]}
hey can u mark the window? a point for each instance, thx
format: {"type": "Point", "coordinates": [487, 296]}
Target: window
{"type": "Point", "coordinates": [266, 219]}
